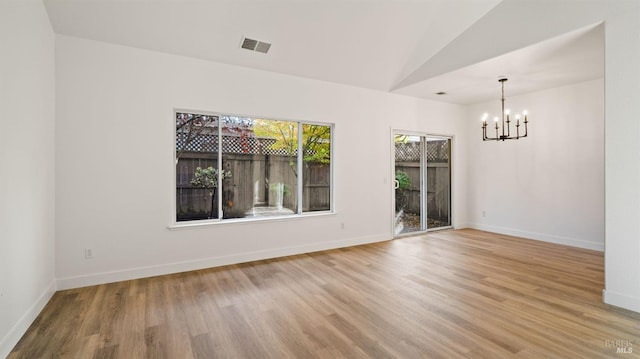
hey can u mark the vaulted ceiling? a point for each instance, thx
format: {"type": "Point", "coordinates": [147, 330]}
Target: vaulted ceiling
{"type": "Point", "coordinates": [415, 48]}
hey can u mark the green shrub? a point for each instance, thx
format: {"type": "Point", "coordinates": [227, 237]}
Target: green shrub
{"type": "Point", "coordinates": [404, 181]}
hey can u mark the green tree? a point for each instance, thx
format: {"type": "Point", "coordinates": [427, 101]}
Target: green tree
{"type": "Point", "coordinates": [189, 127]}
{"type": "Point", "coordinates": [316, 140]}
{"type": "Point", "coordinates": [316, 143]}
{"type": "Point", "coordinates": [208, 178]}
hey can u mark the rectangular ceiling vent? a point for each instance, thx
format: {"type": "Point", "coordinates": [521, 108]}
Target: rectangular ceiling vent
{"type": "Point", "coordinates": [255, 45]}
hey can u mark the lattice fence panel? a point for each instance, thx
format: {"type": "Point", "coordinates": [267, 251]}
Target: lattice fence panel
{"type": "Point", "coordinates": [230, 144]}
{"type": "Point", "coordinates": [437, 151]}
{"type": "Point", "coordinates": [408, 152]}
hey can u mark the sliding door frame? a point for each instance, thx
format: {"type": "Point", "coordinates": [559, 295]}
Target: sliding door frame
{"type": "Point", "coordinates": [423, 179]}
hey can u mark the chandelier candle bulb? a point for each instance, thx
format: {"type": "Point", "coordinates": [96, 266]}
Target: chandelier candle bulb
{"type": "Point", "coordinates": [484, 125]}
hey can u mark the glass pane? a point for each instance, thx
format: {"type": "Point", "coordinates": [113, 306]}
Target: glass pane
{"type": "Point", "coordinates": [408, 199]}
{"type": "Point", "coordinates": [259, 159]}
{"type": "Point", "coordinates": [196, 162]}
{"type": "Point", "coordinates": [438, 182]}
{"type": "Point", "coordinates": [316, 179]}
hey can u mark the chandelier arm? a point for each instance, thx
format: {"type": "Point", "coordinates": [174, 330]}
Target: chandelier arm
{"type": "Point", "coordinates": [484, 134]}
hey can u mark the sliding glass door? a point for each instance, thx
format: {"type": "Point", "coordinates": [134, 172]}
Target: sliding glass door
{"type": "Point", "coordinates": [409, 196]}
{"type": "Point", "coordinates": [422, 183]}
{"type": "Point", "coordinates": [438, 183]}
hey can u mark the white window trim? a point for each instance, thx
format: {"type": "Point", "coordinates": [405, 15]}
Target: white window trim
{"type": "Point", "coordinates": [175, 225]}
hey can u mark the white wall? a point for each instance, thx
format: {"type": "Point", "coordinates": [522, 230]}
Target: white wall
{"type": "Point", "coordinates": [622, 162]}
{"type": "Point", "coordinates": [26, 167]}
{"type": "Point", "coordinates": [550, 185]}
{"type": "Point", "coordinates": [114, 160]}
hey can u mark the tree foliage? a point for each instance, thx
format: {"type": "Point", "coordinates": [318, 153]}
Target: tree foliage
{"type": "Point", "coordinates": [403, 180]}
{"type": "Point", "coordinates": [189, 126]}
{"type": "Point", "coordinates": [316, 140]}
{"type": "Point", "coordinates": [208, 177]}
{"type": "Point", "coordinates": [316, 143]}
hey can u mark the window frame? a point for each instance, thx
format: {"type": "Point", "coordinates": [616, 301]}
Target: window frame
{"type": "Point", "coordinates": [299, 213]}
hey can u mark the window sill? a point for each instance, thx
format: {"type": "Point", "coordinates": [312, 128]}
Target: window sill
{"type": "Point", "coordinates": [217, 222]}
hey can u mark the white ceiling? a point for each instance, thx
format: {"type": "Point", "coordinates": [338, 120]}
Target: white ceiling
{"type": "Point", "coordinates": [570, 58]}
{"type": "Point", "coordinates": [373, 44]}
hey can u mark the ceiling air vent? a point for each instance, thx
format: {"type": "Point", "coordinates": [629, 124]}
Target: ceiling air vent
{"type": "Point", "coordinates": [255, 45]}
{"type": "Point", "coordinates": [263, 47]}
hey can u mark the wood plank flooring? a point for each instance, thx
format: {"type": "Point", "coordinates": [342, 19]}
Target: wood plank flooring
{"type": "Point", "coordinates": [449, 294]}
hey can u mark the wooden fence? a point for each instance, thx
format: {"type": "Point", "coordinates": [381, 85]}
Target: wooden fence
{"type": "Point", "coordinates": [438, 190]}
{"type": "Point", "coordinates": [248, 186]}
{"type": "Point", "coordinates": [438, 177]}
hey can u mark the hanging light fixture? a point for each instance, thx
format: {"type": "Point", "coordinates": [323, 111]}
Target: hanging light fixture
{"type": "Point", "coordinates": [506, 135]}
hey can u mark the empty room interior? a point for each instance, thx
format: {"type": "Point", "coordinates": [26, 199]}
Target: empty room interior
{"type": "Point", "coordinates": [293, 179]}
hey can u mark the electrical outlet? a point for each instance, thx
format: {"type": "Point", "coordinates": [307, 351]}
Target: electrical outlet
{"type": "Point", "coordinates": [484, 213]}
{"type": "Point", "coordinates": [88, 253]}
{"type": "Point", "coordinates": [341, 225]}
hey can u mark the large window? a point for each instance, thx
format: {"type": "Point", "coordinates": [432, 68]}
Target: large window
{"type": "Point", "coordinates": [239, 167]}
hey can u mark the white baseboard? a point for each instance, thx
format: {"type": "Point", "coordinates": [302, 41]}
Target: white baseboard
{"type": "Point", "coordinates": [539, 236]}
{"type": "Point", "coordinates": [462, 225]}
{"type": "Point", "coordinates": [621, 300]}
{"type": "Point", "coordinates": [17, 331]}
{"type": "Point", "coordinates": [177, 267]}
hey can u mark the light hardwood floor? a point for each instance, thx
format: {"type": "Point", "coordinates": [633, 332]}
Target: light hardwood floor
{"type": "Point", "coordinates": [449, 294]}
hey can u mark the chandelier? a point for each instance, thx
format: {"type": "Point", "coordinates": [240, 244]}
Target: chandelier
{"type": "Point", "coordinates": [506, 135]}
